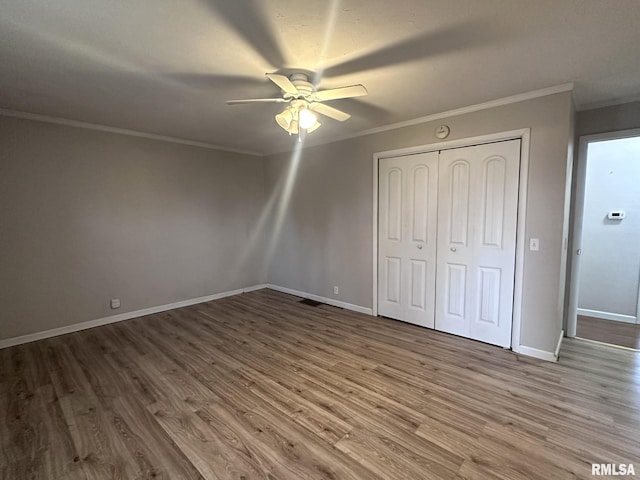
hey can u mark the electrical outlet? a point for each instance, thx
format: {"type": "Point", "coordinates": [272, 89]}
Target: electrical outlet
{"type": "Point", "coordinates": [115, 303]}
{"type": "Point", "coordinates": [534, 244]}
{"type": "Point", "coordinates": [336, 290]}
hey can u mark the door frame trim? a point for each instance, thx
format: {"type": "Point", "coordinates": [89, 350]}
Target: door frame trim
{"type": "Point", "coordinates": [524, 135]}
{"type": "Point", "coordinates": [578, 193]}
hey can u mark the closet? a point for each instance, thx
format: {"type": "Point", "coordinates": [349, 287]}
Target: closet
{"type": "Point", "coordinates": [447, 239]}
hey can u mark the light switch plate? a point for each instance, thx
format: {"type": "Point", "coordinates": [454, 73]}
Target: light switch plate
{"type": "Point", "coordinates": [534, 244]}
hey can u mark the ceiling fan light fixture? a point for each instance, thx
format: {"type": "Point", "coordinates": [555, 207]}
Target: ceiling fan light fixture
{"type": "Point", "coordinates": [294, 129]}
{"type": "Point", "coordinates": [314, 127]}
{"type": "Point", "coordinates": [285, 118]}
{"type": "Point", "coordinates": [296, 118]}
{"type": "Point", "coordinates": [307, 119]}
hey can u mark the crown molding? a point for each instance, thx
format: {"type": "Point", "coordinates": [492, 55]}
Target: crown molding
{"type": "Point", "coordinates": [521, 97]}
{"type": "Point", "coordinates": [393, 126]}
{"type": "Point", "coordinates": [122, 131]}
{"type": "Point", "coordinates": [608, 103]}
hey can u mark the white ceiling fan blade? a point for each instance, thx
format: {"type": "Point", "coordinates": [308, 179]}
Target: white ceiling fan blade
{"type": "Point", "coordinates": [330, 112]}
{"type": "Point", "coordinates": [344, 92]}
{"type": "Point", "coordinates": [256, 100]}
{"type": "Point", "coordinates": [283, 82]}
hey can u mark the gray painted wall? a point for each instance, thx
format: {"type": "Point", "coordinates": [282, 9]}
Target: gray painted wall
{"type": "Point", "coordinates": [610, 261]}
{"type": "Point", "coordinates": [86, 216]}
{"type": "Point", "coordinates": [326, 236]}
{"type": "Point", "coordinates": [608, 119]}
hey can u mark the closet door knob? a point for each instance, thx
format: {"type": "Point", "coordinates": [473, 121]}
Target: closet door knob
{"type": "Point", "coordinates": [453, 249]}
{"type": "Point", "coordinates": [419, 246]}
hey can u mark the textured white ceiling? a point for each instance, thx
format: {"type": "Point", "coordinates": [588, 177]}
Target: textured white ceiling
{"type": "Point", "coordinates": [166, 66]}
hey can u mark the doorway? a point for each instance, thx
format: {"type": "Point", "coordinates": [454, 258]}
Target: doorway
{"type": "Point", "coordinates": [604, 304]}
{"type": "Point", "coordinates": [448, 223]}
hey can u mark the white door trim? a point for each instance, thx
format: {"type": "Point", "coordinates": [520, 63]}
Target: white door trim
{"type": "Point", "coordinates": [578, 216]}
{"type": "Point", "coordinates": [525, 136]}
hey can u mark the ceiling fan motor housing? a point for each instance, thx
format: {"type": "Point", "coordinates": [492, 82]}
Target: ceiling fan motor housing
{"type": "Point", "coordinates": [302, 83]}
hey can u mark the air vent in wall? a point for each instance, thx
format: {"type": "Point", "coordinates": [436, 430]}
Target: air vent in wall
{"type": "Point", "coordinates": [311, 303]}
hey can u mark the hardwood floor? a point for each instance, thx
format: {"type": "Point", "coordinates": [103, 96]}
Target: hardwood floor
{"type": "Point", "coordinates": [608, 331]}
{"type": "Point", "coordinates": [259, 386]}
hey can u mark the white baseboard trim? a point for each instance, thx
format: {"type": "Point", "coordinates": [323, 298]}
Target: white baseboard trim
{"type": "Point", "coordinates": [537, 353]}
{"type": "Point", "coordinates": [607, 345]}
{"type": "Point", "coordinates": [559, 344]}
{"type": "Point", "coordinates": [255, 287]}
{"type": "Point", "coordinates": [76, 327]}
{"type": "Point", "coordinates": [317, 298]}
{"type": "Point", "coordinates": [618, 317]}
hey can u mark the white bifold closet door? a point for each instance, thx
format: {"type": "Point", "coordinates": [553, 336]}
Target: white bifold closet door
{"type": "Point", "coordinates": [477, 217]}
{"type": "Point", "coordinates": [447, 239]}
{"type": "Point", "coordinates": [407, 212]}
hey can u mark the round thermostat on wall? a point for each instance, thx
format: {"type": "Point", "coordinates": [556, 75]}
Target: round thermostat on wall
{"type": "Point", "coordinates": [442, 131]}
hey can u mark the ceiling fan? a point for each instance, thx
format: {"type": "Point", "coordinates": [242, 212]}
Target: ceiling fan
{"type": "Point", "coordinates": [303, 100]}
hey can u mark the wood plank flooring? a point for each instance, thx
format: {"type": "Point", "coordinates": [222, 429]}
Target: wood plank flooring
{"type": "Point", "coordinates": [609, 331]}
{"type": "Point", "coordinates": [259, 386]}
